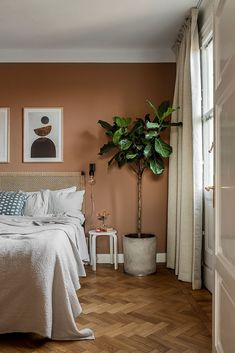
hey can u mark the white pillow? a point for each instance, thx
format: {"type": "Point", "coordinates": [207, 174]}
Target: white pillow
{"type": "Point", "coordinates": [71, 189]}
{"type": "Point", "coordinates": [68, 203]}
{"type": "Point", "coordinates": [58, 193]}
{"type": "Point", "coordinates": [36, 204]}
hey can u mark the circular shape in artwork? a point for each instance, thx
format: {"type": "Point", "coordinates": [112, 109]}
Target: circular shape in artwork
{"type": "Point", "coordinates": [45, 120]}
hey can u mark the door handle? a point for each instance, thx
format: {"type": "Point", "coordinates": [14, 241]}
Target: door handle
{"type": "Point", "coordinates": [209, 187]}
{"type": "Point", "coordinates": [211, 148]}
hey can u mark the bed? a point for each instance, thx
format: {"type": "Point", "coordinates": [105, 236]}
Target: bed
{"type": "Point", "coordinates": [41, 260]}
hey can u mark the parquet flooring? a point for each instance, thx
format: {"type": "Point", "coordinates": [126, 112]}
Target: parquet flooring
{"type": "Point", "coordinates": [154, 314]}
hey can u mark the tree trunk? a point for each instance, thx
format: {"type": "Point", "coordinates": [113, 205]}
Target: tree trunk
{"type": "Point", "coordinates": [139, 212]}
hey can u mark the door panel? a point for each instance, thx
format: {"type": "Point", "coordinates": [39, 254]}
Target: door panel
{"type": "Point", "coordinates": [225, 35]}
{"type": "Point", "coordinates": [224, 298]}
{"type": "Point", "coordinates": [227, 319]}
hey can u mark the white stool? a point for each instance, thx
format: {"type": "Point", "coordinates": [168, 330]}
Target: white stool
{"type": "Point", "coordinates": [112, 243]}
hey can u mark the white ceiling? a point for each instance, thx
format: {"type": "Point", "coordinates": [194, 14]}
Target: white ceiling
{"type": "Point", "coordinates": [90, 30]}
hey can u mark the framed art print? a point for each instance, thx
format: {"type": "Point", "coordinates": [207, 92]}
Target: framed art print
{"type": "Point", "coordinates": [43, 136]}
{"type": "Point", "coordinates": [4, 135]}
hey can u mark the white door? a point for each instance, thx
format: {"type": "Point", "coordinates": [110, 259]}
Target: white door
{"type": "Point", "coordinates": [224, 298]}
{"type": "Point", "coordinates": [208, 158]}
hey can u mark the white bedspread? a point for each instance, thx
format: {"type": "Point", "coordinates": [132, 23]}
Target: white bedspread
{"type": "Point", "coordinates": [40, 265]}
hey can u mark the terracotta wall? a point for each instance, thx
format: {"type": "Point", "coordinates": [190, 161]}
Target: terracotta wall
{"type": "Point", "coordinates": [89, 92]}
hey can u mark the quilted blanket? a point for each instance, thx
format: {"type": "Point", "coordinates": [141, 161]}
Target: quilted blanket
{"type": "Point", "coordinates": [41, 260]}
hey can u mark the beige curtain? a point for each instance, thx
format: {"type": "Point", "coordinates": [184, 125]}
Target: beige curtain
{"type": "Point", "coordinates": [184, 238]}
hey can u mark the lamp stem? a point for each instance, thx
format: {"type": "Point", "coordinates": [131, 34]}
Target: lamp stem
{"type": "Point", "coordinates": [92, 205]}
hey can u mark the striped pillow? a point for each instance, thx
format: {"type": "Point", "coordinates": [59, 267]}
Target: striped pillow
{"type": "Point", "coordinates": [12, 203]}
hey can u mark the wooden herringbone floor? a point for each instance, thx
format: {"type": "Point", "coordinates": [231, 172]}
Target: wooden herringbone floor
{"type": "Point", "coordinates": [154, 314]}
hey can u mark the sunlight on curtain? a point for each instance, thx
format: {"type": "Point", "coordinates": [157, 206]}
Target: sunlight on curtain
{"type": "Point", "coordinates": [184, 238]}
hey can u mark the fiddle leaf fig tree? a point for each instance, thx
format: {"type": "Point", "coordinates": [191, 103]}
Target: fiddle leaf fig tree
{"type": "Point", "coordinates": [139, 144]}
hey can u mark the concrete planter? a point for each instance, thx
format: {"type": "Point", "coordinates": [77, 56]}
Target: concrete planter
{"type": "Point", "coordinates": [139, 254]}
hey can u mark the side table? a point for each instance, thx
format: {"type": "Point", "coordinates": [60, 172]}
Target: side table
{"type": "Point", "coordinates": [112, 243]}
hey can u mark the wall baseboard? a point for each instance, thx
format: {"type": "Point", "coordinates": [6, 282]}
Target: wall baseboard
{"type": "Point", "coordinates": [105, 258]}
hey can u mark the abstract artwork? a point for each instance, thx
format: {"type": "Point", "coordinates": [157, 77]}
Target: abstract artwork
{"type": "Point", "coordinates": [4, 134]}
{"type": "Point", "coordinates": [43, 135]}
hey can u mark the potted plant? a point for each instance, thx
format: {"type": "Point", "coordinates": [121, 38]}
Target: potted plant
{"type": "Point", "coordinates": [139, 144]}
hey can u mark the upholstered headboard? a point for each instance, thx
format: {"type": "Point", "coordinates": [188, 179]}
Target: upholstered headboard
{"type": "Point", "coordinates": [33, 181]}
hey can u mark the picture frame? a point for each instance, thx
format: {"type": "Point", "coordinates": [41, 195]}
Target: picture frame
{"type": "Point", "coordinates": [43, 135]}
{"type": "Point", "coordinates": [4, 135]}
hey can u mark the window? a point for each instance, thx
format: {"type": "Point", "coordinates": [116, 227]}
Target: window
{"type": "Point", "coordinates": [207, 76]}
{"type": "Point", "coordinates": [207, 110]}
{"type": "Point", "coordinates": [208, 158]}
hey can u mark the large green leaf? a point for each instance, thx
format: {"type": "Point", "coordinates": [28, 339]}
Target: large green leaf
{"type": "Point", "coordinates": [147, 117]}
{"type": "Point", "coordinates": [105, 125]}
{"type": "Point", "coordinates": [122, 122]}
{"type": "Point", "coordinates": [167, 113]}
{"type": "Point", "coordinates": [120, 158]}
{"type": "Point", "coordinates": [125, 144]}
{"type": "Point", "coordinates": [117, 135]}
{"type": "Point", "coordinates": [149, 135]}
{"type": "Point", "coordinates": [156, 166]}
{"type": "Point", "coordinates": [113, 158]}
{"type": "Point", "coordinates": [109, 132]}
{"type": "Point", "coordinates": [154, 108]}
{"type": "Point", "coordinates": [137, 128]}
{"type": "Point", "coordinates": [162, 148]}
{"type": "Point", "coordinates": [148, 150]}
{"type": "Point", "coordinates": [139, 147]}
{"type": "Point", "coordinates": [106, 147]}
{"type": "Point", "coordinates": [131, 155]}
{"type": "Point", "coordinates": [151, 125]}
{"type": "Point", "coordinates": [139, 131]}
{"type": "Point", "coordinates": [163, 107]}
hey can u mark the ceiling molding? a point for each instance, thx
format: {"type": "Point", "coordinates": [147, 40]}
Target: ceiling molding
{"type": "Point", "coordinates": [86, 55]}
